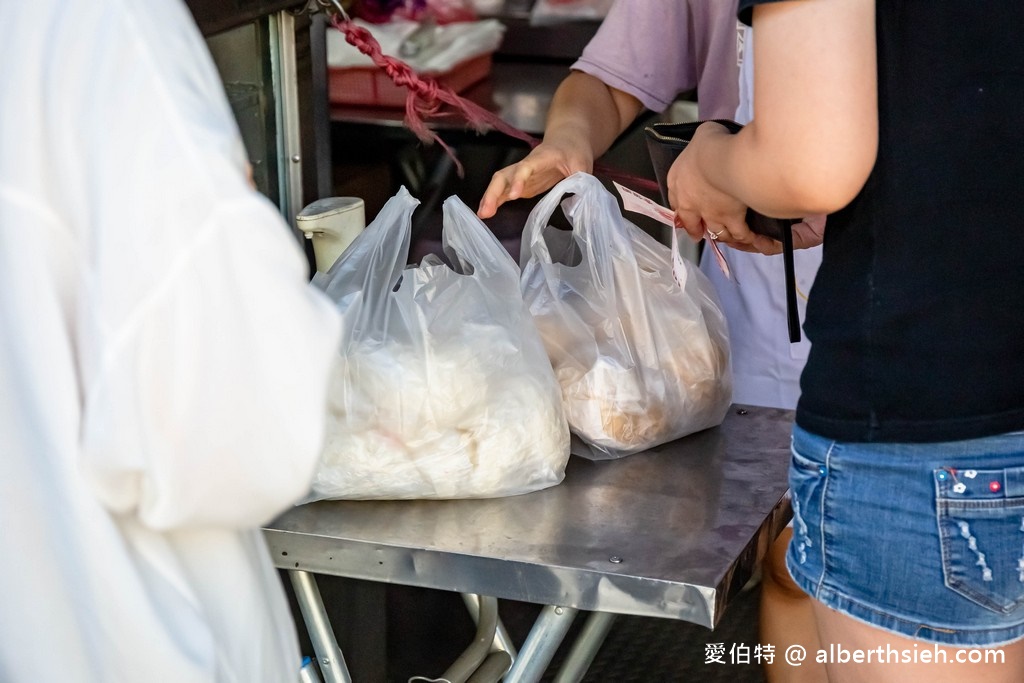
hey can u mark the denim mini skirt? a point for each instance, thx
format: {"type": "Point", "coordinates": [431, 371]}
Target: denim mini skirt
{"type": "Point", "coordinates": [923, 540]}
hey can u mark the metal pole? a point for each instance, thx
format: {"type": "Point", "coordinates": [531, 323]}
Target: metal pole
{"type": "Point", "coordinates": [318, 625]}
{"type": "Point", "coordinates": [546, 635]}
{"type": "Point", "coordinates": [289, 147]}
{"type": "Point", "coordinates": [585, 647]}
{"type": "Point", "coordinates": [476, 653]}
{"type": "Point", "coordinates": [493, 668]}
{"type": "Point", "coordinates": [502, 640]}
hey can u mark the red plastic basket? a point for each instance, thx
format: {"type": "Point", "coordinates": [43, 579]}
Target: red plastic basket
{"type": "Point", "coordinates": [370, 86]}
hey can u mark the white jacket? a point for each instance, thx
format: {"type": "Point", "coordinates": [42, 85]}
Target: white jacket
{"type": "Point", "coordinates": [163, 362]}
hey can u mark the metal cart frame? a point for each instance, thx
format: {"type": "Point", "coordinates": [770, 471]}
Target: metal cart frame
{"type": "Point", "coordinates": [674, 532]}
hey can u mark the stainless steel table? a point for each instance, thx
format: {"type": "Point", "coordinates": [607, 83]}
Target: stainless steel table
{"type": "Point", "coordinates": [673, 532]}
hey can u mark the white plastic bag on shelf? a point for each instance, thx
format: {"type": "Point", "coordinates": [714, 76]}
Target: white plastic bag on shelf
{"type": "Point", "coordinates": [547, 12]}
{"type": "Point", "coordinates": [442, 388]}
{"type": "Point", "coordinates": [641, 359]}
{"type": "Point", "coordinates": [448, 44]}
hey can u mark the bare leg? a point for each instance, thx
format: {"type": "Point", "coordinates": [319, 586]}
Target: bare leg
{"type": "Point", "coordinates": [852, 635]}
{"type": "Point", "coordinates": [786, 619]}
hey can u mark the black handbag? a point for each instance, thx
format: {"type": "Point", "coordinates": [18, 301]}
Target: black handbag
{"type": "Point", "coordinates": [664, 143]}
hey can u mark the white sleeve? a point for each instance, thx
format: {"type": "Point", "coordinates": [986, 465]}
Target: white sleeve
{"type": "Point", "coordinates": [203, 352]}
{"type": "Point", "coordinates": [209, 406]}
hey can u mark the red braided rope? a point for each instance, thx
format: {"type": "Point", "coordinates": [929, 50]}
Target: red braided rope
{"type": "Point", "coordinates": [426, 96]}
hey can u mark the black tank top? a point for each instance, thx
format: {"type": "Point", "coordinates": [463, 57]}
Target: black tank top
{"type": "Point", "coordinates": [916, 317]}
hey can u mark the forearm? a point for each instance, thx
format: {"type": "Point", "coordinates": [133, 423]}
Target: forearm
{"type": "Point", "coordinates": [204, 413]}
{"type": "Point", "coordinates": [586, 114]}
{"type": "Point", "coordinates": [814, 136]}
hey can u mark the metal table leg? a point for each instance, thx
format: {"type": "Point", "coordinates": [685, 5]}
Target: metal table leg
{"type": "Point", "coordinates": [477, 652]}
{"type": "Point", "coordinates": [541, 644]}
{"type": "Point", "coordinates": [492, 669]}
{"type": "Point", "coordinates": [585, 647]}
{"type": "Point", "coordinates": [328, 654]}
{"type": "Point", "coordinates": [502, 640]}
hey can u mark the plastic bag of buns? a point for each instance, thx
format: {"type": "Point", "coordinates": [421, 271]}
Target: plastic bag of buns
{"type": "Point", "coordinates": [641, 358]}
{"type": "Point", "coordinates": [442, 387]}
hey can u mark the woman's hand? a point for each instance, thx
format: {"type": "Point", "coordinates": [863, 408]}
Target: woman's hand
{"type": "Point", "coordinates": [810, 232]}
{"type": "Point", "coordinates": [543, 167]}
{"type": "Point", "coordinates": [705, 211]}
{"type": "Point", "coordinates": [702, 209]}
{"type": "Point", "coordinates": [585, 118]}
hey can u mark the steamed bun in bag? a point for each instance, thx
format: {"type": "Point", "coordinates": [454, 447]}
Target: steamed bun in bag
{"type": "Point", "coordinates": [640, 358]}
{"type": "Point", "coordinates": [442, 388]}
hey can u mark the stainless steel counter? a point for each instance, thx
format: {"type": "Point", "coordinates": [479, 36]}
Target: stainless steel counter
{"type": "Point", "coordinates": [673, 532]}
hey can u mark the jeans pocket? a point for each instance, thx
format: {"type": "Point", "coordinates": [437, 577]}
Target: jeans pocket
{"type": "Point", "coordinates": [806, 486]}
{"type": "Point", "coordinates": [981, 531]}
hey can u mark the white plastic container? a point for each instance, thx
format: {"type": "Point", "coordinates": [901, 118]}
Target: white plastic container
{"type": "Point", "coordinates": [332, 223]}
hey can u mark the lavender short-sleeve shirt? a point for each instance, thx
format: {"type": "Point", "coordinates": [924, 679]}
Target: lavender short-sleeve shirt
{"type": "Point", "coordinates": [657, 49]}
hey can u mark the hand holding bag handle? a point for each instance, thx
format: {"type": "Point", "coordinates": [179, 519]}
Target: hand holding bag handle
{"type": "Point", "coordinates": [664, 143]}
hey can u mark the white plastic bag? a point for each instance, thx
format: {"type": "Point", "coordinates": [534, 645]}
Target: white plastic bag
{"type": "Point", "coordinates": [442, 388]}
{"type": "Point", "coordinates": [641, 360]}
{"type": "Point", "coordinates": [450, 44]}
{"type": "Point", "coordinates": [547, 12]}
